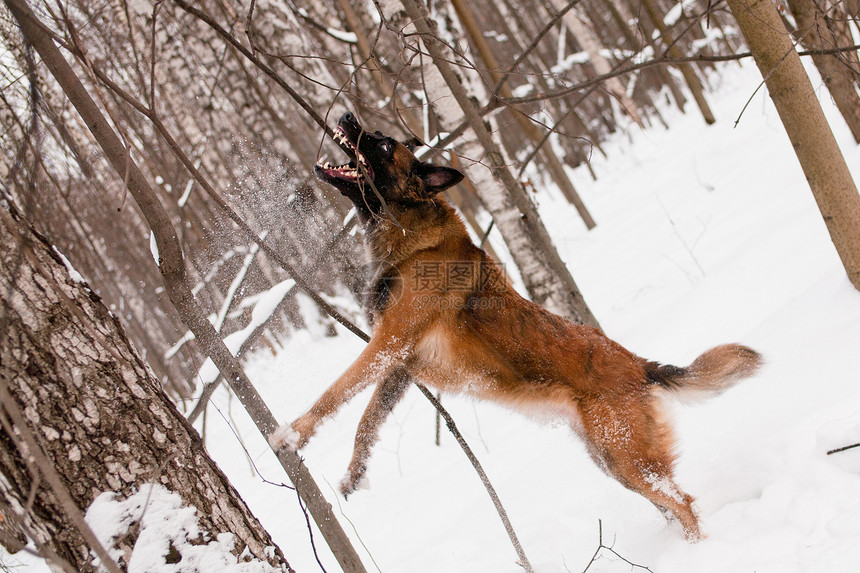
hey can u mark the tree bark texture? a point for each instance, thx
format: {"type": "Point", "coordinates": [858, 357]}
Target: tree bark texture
{"type": "Point", "coordinates": [95, 408]}
{"type": "Point", "coordinates": [807, 128]}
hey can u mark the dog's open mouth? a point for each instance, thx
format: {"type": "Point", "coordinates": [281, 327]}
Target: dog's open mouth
{"type": "Point", "coordinates": [356, 171]}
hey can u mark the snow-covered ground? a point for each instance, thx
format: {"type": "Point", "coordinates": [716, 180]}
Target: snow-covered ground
{"type": "Point", "coordinates": [705, 235]}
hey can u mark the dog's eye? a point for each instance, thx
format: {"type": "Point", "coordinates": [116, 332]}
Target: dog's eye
{"type": "Point", "coordinates": [385, 146]}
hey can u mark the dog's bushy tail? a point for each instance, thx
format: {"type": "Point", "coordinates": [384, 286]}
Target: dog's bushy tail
{"type": "Point", "coordinates": [710, 374]}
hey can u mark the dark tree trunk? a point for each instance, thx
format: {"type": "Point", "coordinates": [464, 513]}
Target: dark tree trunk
{"type": "Point", "coordinates": [95, 409]}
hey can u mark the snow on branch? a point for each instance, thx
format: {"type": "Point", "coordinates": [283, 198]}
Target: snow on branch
{"type": "Point", "coordinates": [264, 304]}
{"type": "Point", "coordinates": [677, 12]}
{"type": "Point", "coordinates": [73, 273]}
{"type": "Point", "coordinates": [237, 282]}
{"type": "Point", "coordinates": [218, 319]}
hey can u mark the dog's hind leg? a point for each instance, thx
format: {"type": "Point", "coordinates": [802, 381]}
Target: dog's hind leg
{"type": "Point", "coordinates": [634, 445]}
{"type": "Point", "coordinates": [388, 393]}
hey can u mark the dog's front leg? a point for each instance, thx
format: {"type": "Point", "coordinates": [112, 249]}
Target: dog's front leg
{"type": "Point", "coordinates": [378, 359]}
{"type": "Point", "coordinates": [388, 393]}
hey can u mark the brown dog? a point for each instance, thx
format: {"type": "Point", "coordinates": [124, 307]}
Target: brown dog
{"type": "Point", "coordinates": [446, 315]}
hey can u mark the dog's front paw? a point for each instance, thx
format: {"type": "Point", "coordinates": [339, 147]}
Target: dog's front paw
{"type": "Point", "coordinates": [285, 435]}
{"type": "Point", "coordinates": [353, 481]}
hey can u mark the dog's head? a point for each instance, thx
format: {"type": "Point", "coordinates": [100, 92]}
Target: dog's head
{"type": "Point", "coordinates": [383, 165]}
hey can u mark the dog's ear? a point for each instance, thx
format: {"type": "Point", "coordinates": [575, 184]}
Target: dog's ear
{"type": "Point", "coordinates": [437, 178]}
{"type": "Point", "coordinates": [413, 143]}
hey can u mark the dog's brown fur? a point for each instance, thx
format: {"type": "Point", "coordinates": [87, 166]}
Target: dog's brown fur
{"type": "Point", "coordinates": [484, 339]}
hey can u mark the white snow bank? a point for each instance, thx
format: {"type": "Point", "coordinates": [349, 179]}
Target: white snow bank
{"type": "Point", "coordinates": [166, 528]}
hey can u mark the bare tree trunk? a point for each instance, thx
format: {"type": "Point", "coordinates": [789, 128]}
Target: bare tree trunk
{"type": "Point", "coordinates": [546, 277]}
{"type": "Point", "coordinates": [591, 45]}
{"type": "Point", "coordinates": [693, 82]}
{"type": "Point", "coordinates": [814, 34]}
{"type": "Point", "coordinates": [816, 148]}
{"type": "Point", "coordinates": [99, 415]}
{"type": "Point", "coordinates": [551, 160]}
{"type": "Point", "coordinates": [625, 20]}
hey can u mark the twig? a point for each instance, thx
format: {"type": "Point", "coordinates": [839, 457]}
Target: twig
{"type": "Point", "coordinates": [487, 233]}
{"type": "Point", "coordinates": [155, 9]}
{"type": "Point", "coordinates": [601, 546]}
{"type": "Point", "coordinates": [553, 129]}
{"type": "Point", "coordinates": [794, 43]}
{"type": "Point", "coordinates": [225, 207]}
{"type": "Point", "coordinates": [232, 427]}
{"type": "Point", "coordinates": [680, 238]}
{"type": "Point", "coordinates": [153, 477]}
{"type": "Point", "coordinates": [205, 18]}
{"type": "Point", "coordinates": [842, 449]}
{"type": "Point", "coordinates": [619, 71]}
{"type": "Point", "coordinates": [354, 528]}
{"type": "Point", "coordinates": [438, 433]}
{"type": "Point", "coordinates": [534, 44]}
{"type": "Point", "coordinates": [30, 132]}
{"type": "Point", "coordinates": [310, 532]}
{"type": "Point", "coordinates": [303, 14]}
